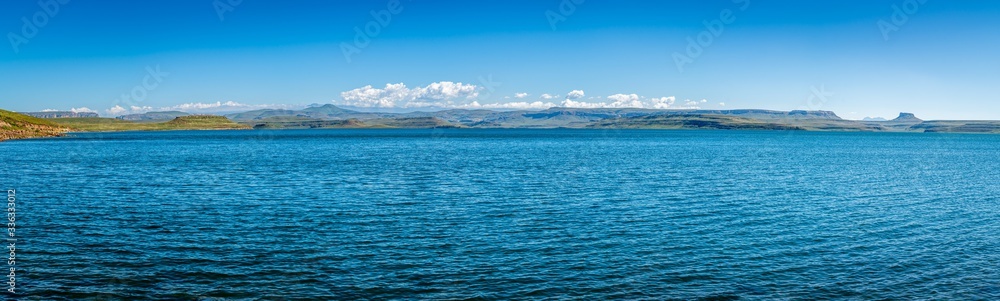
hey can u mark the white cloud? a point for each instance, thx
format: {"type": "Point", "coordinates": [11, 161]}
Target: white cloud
{"type": "Point", "coordinates": [569, 103]}
{"type": "Point", "coordinates": [537, 105]}
{"type": "Point", "coordinates": [442, 95]}
{"type": "Point", "coordinates": [722, 104]}
{"type": "Point", "coordinates": [207, 106]}
{"type": "Point", "coordinates": [446, 91]}
{"type": "Point", "coordinates": [626, 101]}
{"type": "Point", "coordinates": [221, 107]}
{"type": "Point", "coordinates": [82, 110]}
{"type": "Point", "coordinates": [118, 110]}
{"type": "Point", "coordinates": [662, 102]}
{"type": "Point", "coordinates": [368, 97]}
{"type": "Point", "coordinates": [439, 94]}
{"type": "Point", "coordinates": [74, 110]}
{"type": "Point", "coordinates": [194, 108]}
{"type": "Point", "coordinates": [691, 104]}
{"type": "Point", "coordinates": [619, 101]}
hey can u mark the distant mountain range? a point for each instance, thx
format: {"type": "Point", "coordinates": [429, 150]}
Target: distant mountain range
{"type": "Point", "coordinates": [61, 114]}
{"type": "Point", "coordinates": [551, 118]}
{"type": "Point", "coordinates": [330, 116]}
{"type": "Point", "coordinates": [322, 117]}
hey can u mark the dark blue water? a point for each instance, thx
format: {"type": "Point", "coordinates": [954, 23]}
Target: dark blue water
{"type": "Point", "coordinates": [506, 214]}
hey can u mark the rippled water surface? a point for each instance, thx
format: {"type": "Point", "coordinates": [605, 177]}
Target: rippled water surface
{"type": "Point", "coordinates": [506, 214]}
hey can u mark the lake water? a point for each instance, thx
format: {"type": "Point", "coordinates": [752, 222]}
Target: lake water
{"type": "Point", "coordinates": [506, 214]}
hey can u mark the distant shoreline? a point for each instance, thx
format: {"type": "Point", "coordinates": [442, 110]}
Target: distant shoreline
{"type": "Point", "coordinates": [20, 126]}
{"type": "Point", "coordinates": [68, 133]}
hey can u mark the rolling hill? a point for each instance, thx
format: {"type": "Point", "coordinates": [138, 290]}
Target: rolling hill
{"type": "Point", "coordinates": [193, 122]}
{"type": "Point", "coordinates": [20, 126]}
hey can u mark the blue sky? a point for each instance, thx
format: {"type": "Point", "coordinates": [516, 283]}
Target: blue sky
{"type": "Point", "coordinates": [936, 58]}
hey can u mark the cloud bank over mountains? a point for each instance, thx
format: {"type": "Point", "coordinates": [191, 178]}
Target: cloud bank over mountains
{"type": "Point", "coordinates": [195, 108]}
{"type": "Point", "coordinates": [438, 95]}
{"type": "Point", "coordinates": [451, 95]}
{"type": "Point", "coordinates": [74, 110]}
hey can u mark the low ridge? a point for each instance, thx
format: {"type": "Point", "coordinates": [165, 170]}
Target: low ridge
{"type": "Point", "coordinates": [61, 114]}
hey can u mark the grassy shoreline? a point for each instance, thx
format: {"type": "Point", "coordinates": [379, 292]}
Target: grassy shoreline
{"type": "Point", "coordinates": [194, 122]}
{"type": "Point", "coordinates": [19, 126]}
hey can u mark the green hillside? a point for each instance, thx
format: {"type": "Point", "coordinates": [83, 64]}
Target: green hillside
{"type": "Point", "coordinates": [194, 122]}
{"type": "Point", "coordinates": [20, 126]}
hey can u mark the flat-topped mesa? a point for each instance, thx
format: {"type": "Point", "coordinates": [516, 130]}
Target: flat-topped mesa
{"type": "Point", "coordinates": [61, 114]}
{"type": "Point", "coordinates": [907, 117]}
{"type": "Point", "coordinates": [760, 114]}
{"type": "Point", "coordinates": [814, 114]}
